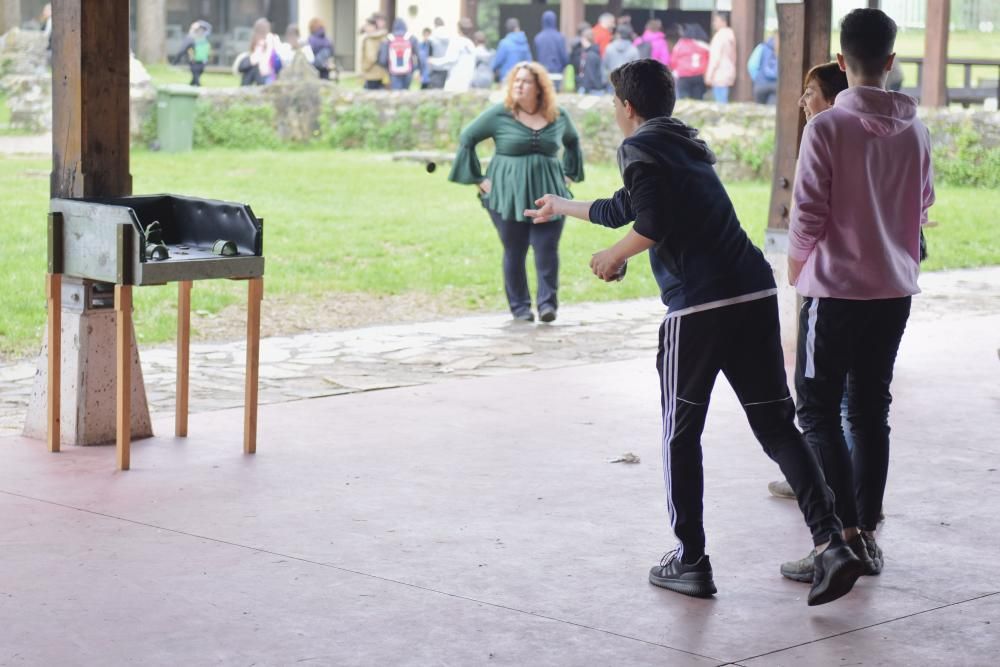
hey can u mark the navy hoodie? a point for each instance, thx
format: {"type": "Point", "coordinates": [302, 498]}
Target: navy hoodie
{"type": "Point", "coordinates": [550, 45]}
{"type": "Point", "coordinates": [511, 50]}
{"type": "Point", "coordinates": [702, 257]}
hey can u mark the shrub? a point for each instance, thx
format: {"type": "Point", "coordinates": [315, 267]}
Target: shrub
{"type": "Point", "coordinates": [240, 126]}
{"type": "Point", "coordinates": [967, 161]}
{"type": "Point", "coordinates": [352, 126]}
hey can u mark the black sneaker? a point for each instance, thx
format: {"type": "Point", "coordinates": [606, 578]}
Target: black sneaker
{"type": "Point", "coordinates": [693, 579]}
{"type": "Point", "coordinates": [859, 547]}
{"type": "Point", "coordinates": [834, 574]}
{"type": "Point", "coordinates": [548, 315]}
{"type": "Point", "coordinates": [874, 554]}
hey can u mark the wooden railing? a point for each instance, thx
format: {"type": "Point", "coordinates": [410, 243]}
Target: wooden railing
{"type": "Point", "coordinates": [967, 93]}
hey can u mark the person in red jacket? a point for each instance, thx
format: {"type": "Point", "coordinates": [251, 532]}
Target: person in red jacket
{"type": "Point", "coordinates": [604, 31]}
{"type": "Point", "coordinates": [689, 61]}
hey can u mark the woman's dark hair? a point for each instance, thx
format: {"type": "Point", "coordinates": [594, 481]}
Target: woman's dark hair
{"type": "Point", "coordinates": [647, 85]}
{"type": "Point", "coordinates": [830, 79]}
{"type": "Point", "coordinates": [867, 37]}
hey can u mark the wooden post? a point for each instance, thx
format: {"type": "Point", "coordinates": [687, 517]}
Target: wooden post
{"type": "Point", "coordinates": [183, 357]}
{"type": "Point", "coordinates": [123, 374]}
{"type": "Point", "coordinates": [804, 41]}
{"type": "Point", "coordinates": [470, 10]}
{"type": "Point", "coordinates": [255, 292]}
{"type": "Point", "coordinates": [90, 104]}
{"type": "Point", "coordinates": [747, 22]}
{"type": "Point", "coordinates": [388, 7]}
{"type": "Point", "coordinates": [53, 290]}
{"type": "Point", "coordinates": [151, 31]}
{"type": "Point", "coordinates": [934, 88]}
{"type": "Point", "coordinates": [570, 16]}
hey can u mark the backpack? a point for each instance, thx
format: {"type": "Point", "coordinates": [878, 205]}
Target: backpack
{"type": "Point", "coordinates": [753, 64]}
{"type": "Point", "coordinates": [400, 55]}
{"type": "Point", "coordinates": [645, 50]}
{"type": "Point", "coordinates": [201, 49]}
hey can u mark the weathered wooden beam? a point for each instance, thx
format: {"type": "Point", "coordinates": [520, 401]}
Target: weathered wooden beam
{"type": "Point", "coordinates": [747, 22]}
{"type": "Point", "coordinates": [934, 87]}
{"type": "Point", "coordinates": [570, 16]}
{"type": "Point", "coordinates": [90, 99]}
{"type": "Point", "coordinates": [804, 41]}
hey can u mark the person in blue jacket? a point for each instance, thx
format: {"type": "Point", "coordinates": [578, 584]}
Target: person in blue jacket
{"type": "Point", "coordinates": [550, 49]}
{"type": "Point", "coordinates": [512, 49]}
{"type": "Point", "coordinates": [763, 70]}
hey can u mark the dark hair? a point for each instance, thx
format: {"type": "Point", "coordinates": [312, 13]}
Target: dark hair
{"type": "Point", "coordinates": [647, 85]}
{"type": "Point", "coordinates": [723, 15]}
{"type": "Point", "coordinates": [512, 25]}
{"type": "Point", "coordinates": [867, 37]}
{"type": "Point", "coordinates": [830, 79]}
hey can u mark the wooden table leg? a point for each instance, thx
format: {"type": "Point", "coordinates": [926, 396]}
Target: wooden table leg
{"type": "Point", "coordinates": [53, 290]}
{"type": "Point", "coordinates": [255, 295]}
{"type": "Point", "coordinates": [183, 357]}
{"type": "Point", "coordinates": [123, 369]}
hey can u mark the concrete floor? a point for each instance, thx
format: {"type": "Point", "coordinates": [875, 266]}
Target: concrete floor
{"type": "Point", "coordinates": [478, 521]}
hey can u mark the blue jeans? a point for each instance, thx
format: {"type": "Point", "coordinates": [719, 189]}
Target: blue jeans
{"type": "Point", "coordinates": [517, 237]}
{"type": "Point", "coordinates": [400, 81]}
{"type": "Point", "coordinates": [721, 94]}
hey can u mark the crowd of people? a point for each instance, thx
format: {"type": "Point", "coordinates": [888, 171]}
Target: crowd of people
{"type": "Point", "coordinates": [395, 58]}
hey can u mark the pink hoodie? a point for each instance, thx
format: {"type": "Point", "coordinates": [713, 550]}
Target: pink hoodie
{"type": "Point", "coordinates": [863, 185]}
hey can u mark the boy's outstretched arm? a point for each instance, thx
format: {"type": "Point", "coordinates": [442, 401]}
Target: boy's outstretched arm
{"type": "Point", "coordinates": [607, 264]}
{"type": "Point", "coordinates": [550, 206]}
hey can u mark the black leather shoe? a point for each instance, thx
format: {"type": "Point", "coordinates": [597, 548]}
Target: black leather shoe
{"type": "Point", "coordinates": [547, 316]}
{"type": "Point", "coordinates": [834, 572]}
{"type": "Point", "coordinates": [694, 579]}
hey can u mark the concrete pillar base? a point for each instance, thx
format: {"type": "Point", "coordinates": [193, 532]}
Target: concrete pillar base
{"type": "Point", "coordinates": [776, 253]}
{"type": "Point", "coordinates": [88, 377]}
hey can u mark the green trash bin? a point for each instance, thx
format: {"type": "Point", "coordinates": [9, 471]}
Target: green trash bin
{"type": "Point", "coordinates": [175, 117]}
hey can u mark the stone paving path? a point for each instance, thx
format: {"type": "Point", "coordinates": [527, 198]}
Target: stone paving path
{"type": "Point", "coordinates": [354, 360]}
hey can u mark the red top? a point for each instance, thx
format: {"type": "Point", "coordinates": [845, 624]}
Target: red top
{"type": "Point", "coordinates": [689, 57]}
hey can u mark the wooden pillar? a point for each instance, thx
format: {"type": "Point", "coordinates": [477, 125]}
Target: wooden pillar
{"type": "Point", "coordinates": [470, 10]}
{"type": "Point", "coordinates": [10, 15]}
{"type": "Point", "coordinates": [570, 16]}
{"type": "Point", "coordinates": [804, 41]}
{"type": "Point", "coordinates": [747, 21]}
{"type": "Point", "coordinates": [388, 7]}
{"type": "Point", "coordinates": [90, 99]}
{"type": "Point", "coordinates": [151, 31]}
{"type": "Point", "coordinates": [934, 88]}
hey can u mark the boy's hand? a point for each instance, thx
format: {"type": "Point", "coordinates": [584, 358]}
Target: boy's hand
{"type": "Point", "coordinates": [606, 265]}
{"type": "Point", "coordinates": [548, 207]}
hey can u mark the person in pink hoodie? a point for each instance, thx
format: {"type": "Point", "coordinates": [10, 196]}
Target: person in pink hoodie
{"type": "Point", "coordinates": [863, 185]}
{"type": "Point", "coordinates": [653, 43]}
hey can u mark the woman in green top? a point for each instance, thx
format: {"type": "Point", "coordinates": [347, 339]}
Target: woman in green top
{"type": "Point", "coordinates": [528, 129]}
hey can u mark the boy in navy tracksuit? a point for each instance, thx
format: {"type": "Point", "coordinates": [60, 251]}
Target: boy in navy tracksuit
{"type": "Point", "coordinates": [722, 316]}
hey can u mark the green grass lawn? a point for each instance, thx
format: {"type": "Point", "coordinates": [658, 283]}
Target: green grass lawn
{"type": "Point", "coordinates": [357, 222]}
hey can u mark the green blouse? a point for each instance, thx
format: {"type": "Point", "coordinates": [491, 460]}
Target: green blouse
{"type": "Point", "coordinates": [526, 164]}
